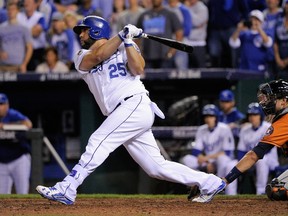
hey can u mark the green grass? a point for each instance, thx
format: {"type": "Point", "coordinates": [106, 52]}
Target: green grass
{"type": "Point", "coordinates": [143, 196]}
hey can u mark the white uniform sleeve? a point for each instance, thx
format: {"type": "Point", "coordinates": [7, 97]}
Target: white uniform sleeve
{"type": "Point", "coordinates": [78, 59]}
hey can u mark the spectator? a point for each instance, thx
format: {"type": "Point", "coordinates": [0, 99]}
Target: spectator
{"type": "Point", "coordinates": [71, 19]}
{"type": "Point", "coordinates": [184, 16]}
{"type": "Point", "coordinates": [271, 15]}
{"type": "Point", "coordinates": [13, 35]}
{"type": "Point", "coordinates": [35, 21]}
{"type": "Point", "coordinates": [66, 5]}
{"type": "Point", "coordinates": [63, 39]}
{"type": "Point", "coordinates": [118, 8]}
{"type": "Point", "coordinates": [87, 8]}
{"type": "Point", "coordinates": [105, 7]}
{"type": "Point", "coordinates": [52, 63]}
{"type": "Point", "coordinates": [198, 33]}
{"type": "Point", "coordinates": [249, 136]}
{"type": "Point", "coordinates": [15, 159]}
{"type": "Point", "coordinates": [253, 42]}
{"type": "Point", "coordinates": [257, 5]}
{"type": "Point", "coordinates": [229, 113]}
{"type": "Point", "coordinates": [164, 23]}
{"type": "Point", "coordinates": [147, 4]}
{"type": "Point", "coordinates": [280, 44]}
{"type": "Point", "coordinates": [223, 18]}
{"type": "Point", "coordinates": [214, 147]}
{"type": "Point", "coordinates": [129, 15]}
{"type": "Point", "coordinates": [47, 7]}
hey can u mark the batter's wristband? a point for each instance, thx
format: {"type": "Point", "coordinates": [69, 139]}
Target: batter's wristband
{"type": "Point", "coordinates": [128, 42]}
{"type": "Point", "coordinates": [233, 174]}
{"type": "Point", "coordinates": [121, 38]}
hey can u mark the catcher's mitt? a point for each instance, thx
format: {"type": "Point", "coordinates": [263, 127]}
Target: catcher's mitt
{"type": "Point", "coordinates": [276, 191]}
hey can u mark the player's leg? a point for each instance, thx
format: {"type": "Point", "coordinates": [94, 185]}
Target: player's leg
{"type": "Point", "coordinates": [5, 179]}
{"type": "Point", "coordinates": [263, 168]}
{"type": "Point", "coordinates": [262, 173]}
{"type": "Point", "coordinates": [145, 152]}
{"type": "Point", "coordinates": [224, 165]}
{"type": "Point", "coordinates": [121, 125]}
{"type": "Point", "coordinates": [190, 161]}
{"type": "Point", "coordinates": [21, 174]}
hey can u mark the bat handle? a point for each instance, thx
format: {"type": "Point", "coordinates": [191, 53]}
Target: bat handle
{"type": "Point", "coordinates": [144, 35]}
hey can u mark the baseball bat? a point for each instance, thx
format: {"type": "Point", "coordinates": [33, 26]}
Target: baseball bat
{"type": "Point", "coordinates": [170, 42]}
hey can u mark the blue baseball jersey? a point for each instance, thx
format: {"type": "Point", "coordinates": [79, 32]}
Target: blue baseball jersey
{"type": "Point", "coordinates": [11, 149]}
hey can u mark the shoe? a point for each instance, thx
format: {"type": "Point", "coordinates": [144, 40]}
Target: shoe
{"type": "Point", "coordinates": [205, 198]}
{"type": "Point", "coordinates": [52, 193]}
{"type": "Point", "coordinates": [194, 192]}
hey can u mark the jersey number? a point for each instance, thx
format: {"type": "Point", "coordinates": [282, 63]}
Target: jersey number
{"type": "Point", "coordinates": [117, 70]}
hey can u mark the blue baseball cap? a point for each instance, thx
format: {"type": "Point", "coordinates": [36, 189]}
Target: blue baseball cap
{"type": "Point", "coordinates": [226, 95]}
{"type": "Point", "coordinates": [3, 98]}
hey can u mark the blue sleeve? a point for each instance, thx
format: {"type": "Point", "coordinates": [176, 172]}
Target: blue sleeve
{"type": "Point", "coordinates": [71, 50]}
{"type": "Point", "coordinates": [229, 153]}
{"type": "Point", "coordinates": [42, 23]}
{"type": "Point", "coordinates": [187, 20]}
{"type": "Point", "coordinates": [14, 116]}
{"type": "Point", "coordinates": [240, 154]}
{"type": "Point", "coordinates": [196, 152]}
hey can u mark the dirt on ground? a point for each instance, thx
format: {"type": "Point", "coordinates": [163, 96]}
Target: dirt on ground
{"type": "Point", "coordinates": [144, 206]}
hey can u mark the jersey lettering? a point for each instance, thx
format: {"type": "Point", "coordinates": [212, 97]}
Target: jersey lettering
{"type": "Point", "coordinates": [116, 70]}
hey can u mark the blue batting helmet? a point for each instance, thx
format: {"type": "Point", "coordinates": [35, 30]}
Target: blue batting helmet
{"type": "Point", "coordinates": [226, 95]}
{"type": "Point", "coordinates": [210, 109]}
{"type": "Point", "coordinates": [255, 109]}
{"type": "Point", "coordinates": [98, 27]}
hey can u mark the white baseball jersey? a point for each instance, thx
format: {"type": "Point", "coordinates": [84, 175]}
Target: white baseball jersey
{"type": "Point", "coordinates": [110, 82]}
{"type": "Point", "coordinates": [217, 140]}
{"type": "Point", "coordinates": [249, 137]}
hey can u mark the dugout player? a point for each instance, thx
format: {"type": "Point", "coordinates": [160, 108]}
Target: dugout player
{"type": "Point", "coordinates": [112, 68]}
{"type": "Point", "coordinates": [213, 151]}
{"type": "Point", "coordinates": [15, 159]}
{"type": "Point", "coordinates": [273, 98]}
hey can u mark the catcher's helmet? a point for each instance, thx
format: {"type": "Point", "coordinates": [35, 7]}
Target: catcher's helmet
{"type": "Point", "coordinates": [269, 92]}
{"type": "Point", "coordinates": [255, 109]}
{"type": "Point", "coordinates": [98, 27]}
{"type": "Point", "coordinates": [211, 110]}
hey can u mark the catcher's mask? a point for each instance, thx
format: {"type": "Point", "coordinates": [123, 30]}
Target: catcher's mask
{"type": "Point", "coordinates": [268, 93]}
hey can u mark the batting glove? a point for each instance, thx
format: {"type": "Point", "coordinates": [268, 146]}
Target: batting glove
{"type": "Point", "coordinates": [128, 33]}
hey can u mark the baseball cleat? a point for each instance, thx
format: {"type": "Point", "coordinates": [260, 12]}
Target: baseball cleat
{"type": "Point", "coordinates": [53, 194]}
{"type": "Point", "coordinates": [205, 198]}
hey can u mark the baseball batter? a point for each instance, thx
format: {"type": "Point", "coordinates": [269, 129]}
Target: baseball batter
{"type": "Point", "coordinates": [112, 68]}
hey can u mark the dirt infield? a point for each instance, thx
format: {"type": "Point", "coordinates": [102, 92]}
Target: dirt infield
{"type": "Point", "coordinates": [144, 206]}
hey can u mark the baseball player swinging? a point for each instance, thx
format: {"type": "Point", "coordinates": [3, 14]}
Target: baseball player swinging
{"type": "Point", "coordinates": [112, 68]}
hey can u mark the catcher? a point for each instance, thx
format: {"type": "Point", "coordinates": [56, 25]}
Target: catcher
{"type": "Point", "coordinates": [273, 98]}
